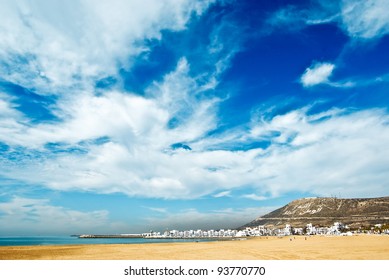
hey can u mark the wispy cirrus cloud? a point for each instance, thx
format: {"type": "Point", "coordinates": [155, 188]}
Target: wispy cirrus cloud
{"type": "Point", "coordinates": [56, 47]}
{"type": "Point", "coordinates": [158, 210]}
{"type": "Point", "coordinates": [222, 194]}
{"type": "Point", "coordinates": [358, 19]}
{"type": "Point", "coordinates": [254, 196]}
{"type": "Point", "coordinates": [295, 18]}
{"type": "Point", "coordinates": [117, 129]}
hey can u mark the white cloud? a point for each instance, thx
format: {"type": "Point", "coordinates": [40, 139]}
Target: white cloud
{"type": "Point", "coordinates": [37, 216]}
{"type": "Point", "coordinates": [318, 73]}
{"type": "Point", "coordinates": [133, 160]}
{"type": "Point", "coordinates": [327, 153]}
{"type": "Point", "coordinates": [155, 209]}
{"type": "Point", "coordinates": [125, 118]}
{"type": "Point", "coordinates": [222, 194]}
{"type": "Point", "coordinates": [335, 152]}
{"type": "Point", "coordinates": [7, 109]}
{"type": "Point", "coordinates": [255, 197]}
{"type": "Point", "coordinates": [59, 47]}
{"type": "Point", "coordinates": [365, 19]}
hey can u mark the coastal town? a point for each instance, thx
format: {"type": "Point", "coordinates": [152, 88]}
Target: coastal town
{"type": "Point", "coordinates": [336, 229]}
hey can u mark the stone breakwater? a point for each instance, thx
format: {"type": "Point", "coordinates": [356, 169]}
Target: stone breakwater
{"type": "Point", "coordinates": [151, 237]}
{"type": "Point", "coordinates": [111, 236]}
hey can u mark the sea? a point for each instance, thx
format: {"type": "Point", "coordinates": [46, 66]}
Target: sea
{"type": "Point", "coordinates": [74, 240]}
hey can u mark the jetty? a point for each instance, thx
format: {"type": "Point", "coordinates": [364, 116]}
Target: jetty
{"type": "Point", "coordinates": [110, 236]}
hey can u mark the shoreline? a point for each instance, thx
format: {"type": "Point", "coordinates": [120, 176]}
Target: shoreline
{"type": "Point", "coordinates": [357, 247]}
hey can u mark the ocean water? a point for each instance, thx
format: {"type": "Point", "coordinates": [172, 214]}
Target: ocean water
{"type": "Point", "coordinates": [70, 240]}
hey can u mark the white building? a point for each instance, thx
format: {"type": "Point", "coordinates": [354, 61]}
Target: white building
{"type": "Point", "coordinates": [310, 229]}
{"type": "Point", "coordinates": [288, 230]}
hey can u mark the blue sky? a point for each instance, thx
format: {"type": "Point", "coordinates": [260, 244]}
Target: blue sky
{"type": "Point", "coordinates": [130, 116]}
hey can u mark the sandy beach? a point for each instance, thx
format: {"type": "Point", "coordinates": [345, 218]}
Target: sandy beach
{"type": "Point", "coordinates": [363, 247]}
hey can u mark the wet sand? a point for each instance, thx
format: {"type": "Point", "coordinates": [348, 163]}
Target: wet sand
{"type": "Point", "coordinates": [362, 247]}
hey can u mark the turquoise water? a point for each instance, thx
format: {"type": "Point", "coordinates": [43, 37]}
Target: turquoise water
{"type": "Point", "coordinates": [70, 240]}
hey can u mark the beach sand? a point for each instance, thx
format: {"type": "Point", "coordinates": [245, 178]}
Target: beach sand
{"type": "Point", "coordinates": [361, 247]}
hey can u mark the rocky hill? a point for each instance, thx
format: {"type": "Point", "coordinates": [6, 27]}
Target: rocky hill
{"type": "Point", "coordinates": [356, 212]}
